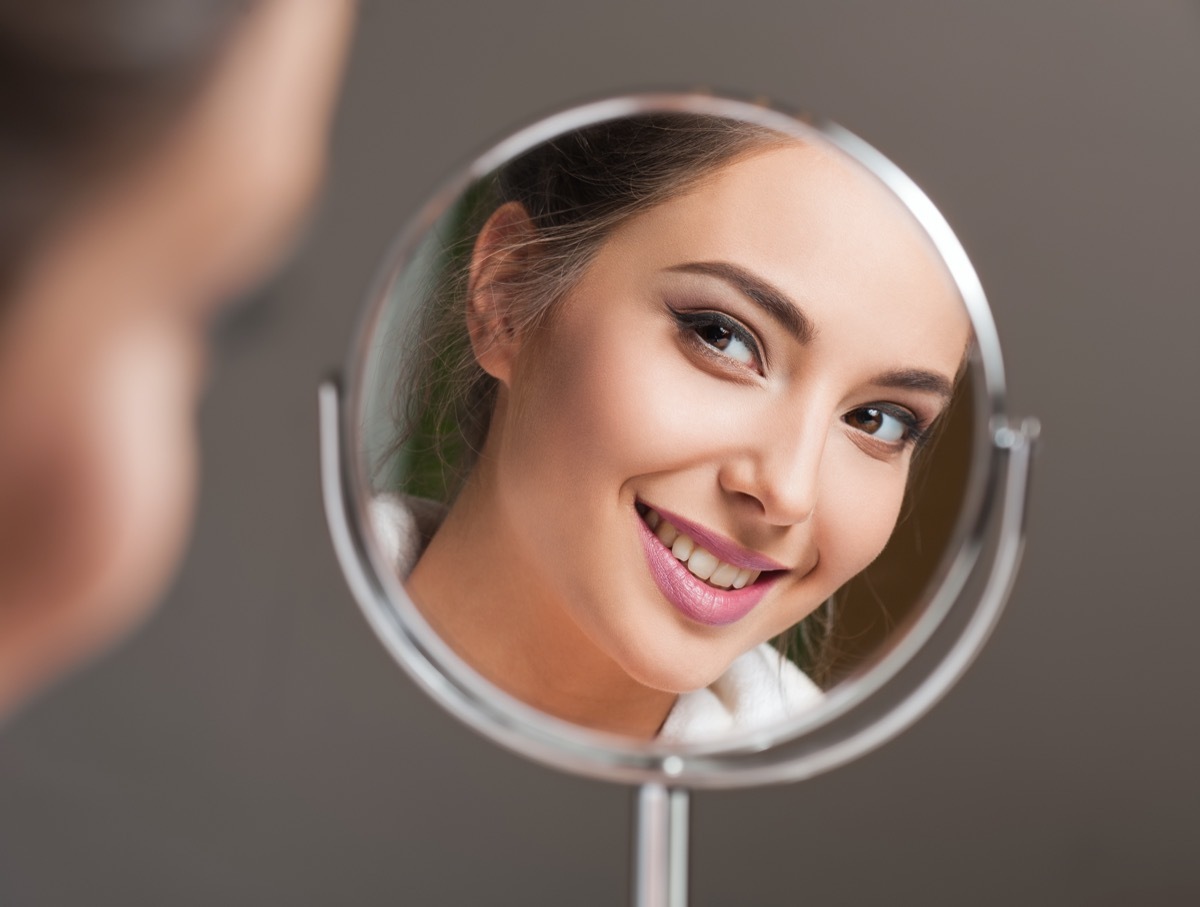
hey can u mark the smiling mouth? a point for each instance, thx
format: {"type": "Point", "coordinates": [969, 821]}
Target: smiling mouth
{"type": "Point", "coordinates": [700, 585]}
{"type": "Point", "coordinates": [699, 561]}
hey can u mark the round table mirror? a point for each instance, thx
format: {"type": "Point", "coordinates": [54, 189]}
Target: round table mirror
{"type": "Point", "coordinates": [671, 450]}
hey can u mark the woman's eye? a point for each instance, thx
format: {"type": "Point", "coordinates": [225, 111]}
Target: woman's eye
{"type": "Point", "coordinates": [722, 334]}
{"type": "Point", "coordinates": [721, 338]}
{"type": "Point", "coordinates": [889, 427]}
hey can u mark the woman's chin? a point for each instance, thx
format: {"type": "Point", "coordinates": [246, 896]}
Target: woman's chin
{"type": "Point", "coordinates": [679, 668]}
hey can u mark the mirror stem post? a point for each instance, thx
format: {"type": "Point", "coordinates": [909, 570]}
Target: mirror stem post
{"type": "Point", "coordinates": [660, 846]}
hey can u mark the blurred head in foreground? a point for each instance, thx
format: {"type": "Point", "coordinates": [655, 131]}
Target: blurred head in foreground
{"type": "Point", "coordinates": [155, 158]}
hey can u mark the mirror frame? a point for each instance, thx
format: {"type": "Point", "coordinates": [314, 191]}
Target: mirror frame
{"type": "Point", "coordinates": [961, 604]}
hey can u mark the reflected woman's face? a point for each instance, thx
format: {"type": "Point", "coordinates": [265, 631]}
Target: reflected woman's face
{"type": "Point", "coordinates": [713, 431]}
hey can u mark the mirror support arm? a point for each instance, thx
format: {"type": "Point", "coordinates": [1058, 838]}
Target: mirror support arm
{"type": "Point", "coordinates": [660, 846]}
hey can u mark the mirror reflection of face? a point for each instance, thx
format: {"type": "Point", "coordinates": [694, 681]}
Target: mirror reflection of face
{"type": "Point", "coordinates": [708, 436]}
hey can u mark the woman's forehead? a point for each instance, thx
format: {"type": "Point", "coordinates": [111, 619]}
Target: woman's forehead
{"type": "Point", "coordinates": [824, 231]}
{"type": "Point", "coordinates": [798, 208]}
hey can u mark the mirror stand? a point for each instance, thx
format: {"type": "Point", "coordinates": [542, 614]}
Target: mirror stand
{"type": "Point", "coordinates": [660, 846]}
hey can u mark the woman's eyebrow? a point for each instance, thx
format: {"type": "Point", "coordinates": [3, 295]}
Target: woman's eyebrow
{"type": "Point", "coordinates": [777, 304]}
{"type": "Point", "coordinates": [767, 297]}
{"type": "Point", "coordinates": [918, 380]}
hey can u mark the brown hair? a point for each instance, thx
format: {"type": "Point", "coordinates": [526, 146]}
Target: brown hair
{"type": "Point", "coordinates": [86, 88]}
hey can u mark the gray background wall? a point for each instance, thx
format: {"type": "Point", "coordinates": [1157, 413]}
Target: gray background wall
{"type": "Point", "coordinates": [254, 744]}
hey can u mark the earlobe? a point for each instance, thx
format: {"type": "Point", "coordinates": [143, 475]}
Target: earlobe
{"type": "Point", "coordinates": [493, 294]}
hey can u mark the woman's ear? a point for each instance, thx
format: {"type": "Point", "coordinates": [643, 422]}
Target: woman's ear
{"type": "Point", "coordinates": [498, 262]}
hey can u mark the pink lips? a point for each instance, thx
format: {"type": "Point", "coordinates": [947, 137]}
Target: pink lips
{"type": "Point", "coordinates": [693, 597]}
{"type": "Point", "coordinates": [723, 548]}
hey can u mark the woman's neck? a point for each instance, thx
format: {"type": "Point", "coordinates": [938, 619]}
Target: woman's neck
{"type": "Point", "coordinates": [476, 586]}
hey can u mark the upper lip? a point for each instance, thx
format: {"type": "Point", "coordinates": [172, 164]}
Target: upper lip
{"type": "Point", "coordinates": [725, 549]}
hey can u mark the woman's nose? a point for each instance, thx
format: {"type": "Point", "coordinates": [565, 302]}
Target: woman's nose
{"type": "Point", "coordinates": [780, 470]}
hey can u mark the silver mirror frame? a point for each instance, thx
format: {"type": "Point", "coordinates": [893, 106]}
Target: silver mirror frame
{"type": "Point", "coordinates": [859, 714]}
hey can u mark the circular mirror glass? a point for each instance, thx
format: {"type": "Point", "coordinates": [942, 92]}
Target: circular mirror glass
{"type": "Point", "coordinates": [669, 436]}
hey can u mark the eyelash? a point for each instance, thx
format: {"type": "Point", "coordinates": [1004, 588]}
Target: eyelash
{"type": "Point", "coordinates": [916, 432]}
{"type": "Point", "coordinates": [691, 324]}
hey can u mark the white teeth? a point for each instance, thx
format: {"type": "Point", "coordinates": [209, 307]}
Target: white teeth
{"type": "Point", "coordinates": [724, 575]}
{"type": "Point", "coordinates": [683, 547]}
{"type": "Point", "coordinates": [702, 563]}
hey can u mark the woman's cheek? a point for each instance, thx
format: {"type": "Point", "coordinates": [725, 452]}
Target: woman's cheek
{"type": "Point", "coordinates": [114, 491]}
{"type": "Point", "coordinates": [589, 400]}
{"type": "Point", "coordinates": [857, 510]}
{"type": "Point", "coordinates": [145, 387]}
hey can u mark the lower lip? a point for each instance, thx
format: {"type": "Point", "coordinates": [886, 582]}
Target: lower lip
{"type": "Point", "coordinates": [690, 595]}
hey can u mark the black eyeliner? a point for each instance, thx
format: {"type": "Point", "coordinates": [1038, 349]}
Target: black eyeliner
{"type": "Point", "coordinates": [709, 318]}
{"type": "Point", "coordinates": [918, 431]}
